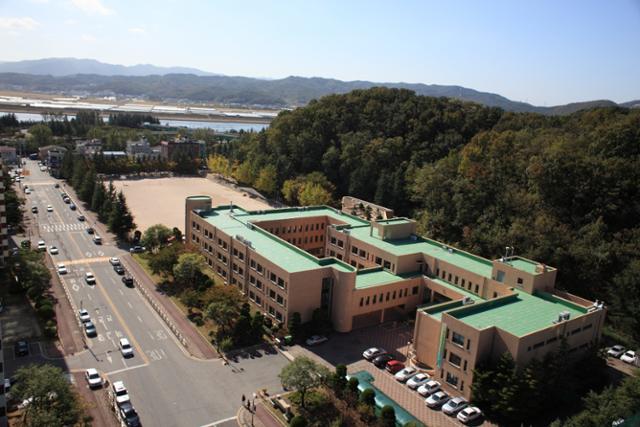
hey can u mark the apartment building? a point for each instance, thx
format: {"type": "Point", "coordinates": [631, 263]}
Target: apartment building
{"type": "Point", "coordinates": [468, 309]}
{"type": "Point", "coordinates": [4, 231]}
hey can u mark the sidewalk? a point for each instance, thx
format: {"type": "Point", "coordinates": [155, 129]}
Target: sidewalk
{"type": "Point", "coordinates": [197, 345]}
{"type": "Point", "coordinates": [262, 417]}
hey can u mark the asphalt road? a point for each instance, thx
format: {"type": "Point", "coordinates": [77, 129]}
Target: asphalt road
{"type": "Point", "coordinates": [167, 386]}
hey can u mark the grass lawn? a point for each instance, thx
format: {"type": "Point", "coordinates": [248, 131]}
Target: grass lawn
{"type": "Point", "coordinates": [207, 327]}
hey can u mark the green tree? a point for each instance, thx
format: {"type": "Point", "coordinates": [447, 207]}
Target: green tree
{"type": "Point", "coordinates": [302, 375]}
{"type": "Point", "coordinates": [187, 268]}
{"type": "Point", "coordinates": [52, 401]}
{"type": "Point", "coordinates": [66, 170]}
{"type": "Point", "coordinates": [314, 195]}
{"type": "Point", "coordinates": [120, 219]}
{"type": "Point", "coordinates": [339, 380]}
{"type": "Point", "coordinates": [105, 212]}
{"type": "Point", "coordinates": [224, 308]}
{"type": "Point", "coordinates": [295, 325]}
{"type": "Point", "coordinates": [267, 181]}
{"type": "Point", "coordinates": [156, 236]}
{"type": "Point", "coordinates": [40, 135]}
{"type": "Point", "coordinates": [88, 185]}
{"type": "Point", "coordinates": [257, 326]}
{"type": "Point", "coordinates": [163, 261]}
{"type": "Point", "coordinates": [79, 172]}
{"type": "Point", "coordinates": [98, 197]}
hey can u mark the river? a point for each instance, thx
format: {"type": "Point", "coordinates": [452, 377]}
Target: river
{"type": "Point", "coordinates": [191, 124]}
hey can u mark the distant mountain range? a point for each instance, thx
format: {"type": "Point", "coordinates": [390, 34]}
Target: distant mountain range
{"type": "Point", "coordinates": [91, 77]}
{"type": "Point", "coordinates": [70, 66]}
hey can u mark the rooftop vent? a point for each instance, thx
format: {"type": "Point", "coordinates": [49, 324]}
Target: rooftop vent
{"type": "Point", "coordinates": [467, 301]}
{"type": "Point", "coordinates": [563, 316]}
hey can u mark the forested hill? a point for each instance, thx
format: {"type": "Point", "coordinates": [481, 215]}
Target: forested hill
{"type": "Point", "coordinates": [561, 190]}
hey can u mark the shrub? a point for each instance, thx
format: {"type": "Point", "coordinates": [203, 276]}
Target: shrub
{"type": "Point", "coordinates": [51, 329]}
{"type": "Point", "coordinates": [46, 312]}
{"type": "Point", "coordinates": [225, 344]}
{"type": "Point", "coordinates": [368, 397]}
{"type": "Point", "coordinates": [298, 421]}
{"type": "Point", "coordinates": [387, 416]}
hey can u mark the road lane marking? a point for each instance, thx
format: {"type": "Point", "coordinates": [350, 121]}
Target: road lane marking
{"type": "Point", "coordinates": [129, 304]}
{"type": "Point", "coordinates": [217, 423]}
{"type": "Point", "coordinates": [139, 319]}
{"type": "Point", "coordinates": [85, 260]}
{"type": "Point", "coordinates": [130, 368]}
{"type": "Point", "coordinates": [117, 313]}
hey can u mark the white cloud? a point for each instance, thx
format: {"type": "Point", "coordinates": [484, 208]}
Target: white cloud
{"type": "Point", "coordinates": [92, 7]}
{"type": "Point", "coordinates": [14, 23]}
{"type": "Point", "coordinates": [136, 30]}
{"type": "Point", "coordinates": [70, 22]}
{"type": "Point", "coordinates": [87, 38]}
{"type": "Point", "coordinates": [39, 1]}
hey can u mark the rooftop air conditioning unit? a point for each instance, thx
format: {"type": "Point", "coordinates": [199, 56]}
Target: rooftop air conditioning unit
{"type": "Point", "coordinates": [450, 250]}
{"type": "Point", "coordinates": [414, 237]}
{"type": "Point", "coordinates": [565, 315]}
{"type": "Point", "coordinates": [444, 247]}
{"type": "Point", "coordinates": [467, 301]}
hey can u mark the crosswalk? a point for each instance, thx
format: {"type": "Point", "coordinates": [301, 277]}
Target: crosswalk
{"type": "Point", "coordinates": [63, 227]}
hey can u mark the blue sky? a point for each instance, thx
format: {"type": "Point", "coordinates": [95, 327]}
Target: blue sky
{"type": "Point", "coordinates": [542, 52]}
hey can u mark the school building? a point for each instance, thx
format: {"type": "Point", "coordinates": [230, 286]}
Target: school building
{"type": "Point", "coordinates": [362, 273]}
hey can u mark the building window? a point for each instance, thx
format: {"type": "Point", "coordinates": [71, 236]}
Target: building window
{"type": "Point", "coordinates": [378, 260]}
{"type": "Point", "coordinates": [272, 294]}
{"type": "Point", "coordinates": [552, 340]}
{"type": "Point", "coordinates": [584, 328]}
{"type": "Point", "coordinates": [354, 250]}
{"type": "Point", "coordinates": [375, 298]}
{"type": "Point", "coordinates": [455, 360]}
{"type": "Point", "coordinates": [387, 265]}
{"type": "Point", "coordinates": [281, 282]}
{"type": "Point", "coordinates": [388, 295]}
{"type": "Point", "coordinates": [260, 269]}
{"type": "Point", "coordinates": [520, 281]}
{"type": "Point", "coordinates": [495, 295]}
{"type": "Point", "coordinates": [279, 299]}
{"type": "Point", "coordinates": [575, 331]}
{"type": "Point", "coordinates": [415, 290]}
{"type": "Point", "coordinates": [367, 301]}
{"type": "Point", "coordinates": [258, 284]}
{"type": "Point", "coordinates": [462, 283]}
{"type": "Point", "coordinates": [452, 380]}
{"type": "Point", "coordinates": [538, 345]}
{"type": "Point", "coordinates": [361, 301]}
{"type": "Point", "coordinates": [340, 244]}
{"type": "Point", "coordinates": [252, 279]}
{"type": "Point", "coordinates": [333, 240]}
{"type": "Point", "coordinates": [362, 253]}
{"type": "Point", "coordinates": [457, 339]}
{"type": "Point", "coordinates": [468, 344]}
{"type": "Point", "coordinates": [252, 264]}
{"type": "Point", "coordinates": [394, 295]}
{"type": "Point", "coordinates": [273, 277]}
{"type": "Point", "coordinates": [465, 366]}
{"type": "Point", "coordinates": [456, 280]}
{"type": "Point", "coordinates": [449, 279]}
{"type": "Point", "coordinates": [477, 288]}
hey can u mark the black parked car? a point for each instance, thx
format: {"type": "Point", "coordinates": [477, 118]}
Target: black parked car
{"type": "Point", "coordinates": [118, 269]}
{"type": "Point", "coordinates": [127, 280]}
{"type": "Point", "coordinates": [90, 230]}
{"type": "Point", "coordinates": [21, 348]}
{"type": "Point", "coordinates": [381, 361]}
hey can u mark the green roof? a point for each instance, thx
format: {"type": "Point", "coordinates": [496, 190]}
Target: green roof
{"type": "Point", "coordinates": [398, 247]}
{"type": "Point", "coordinates": [518, 314]}
{"type": "Point", "coordinates": [523, 264]}
{"type": "Point", "coordinates": [303, 212]}
{"type": "Point", "coordinates": [276, 250]}
{"type": "Point", "coordinates": [436, 310]}
{"type": "Point", "coordinates": [374, 277]}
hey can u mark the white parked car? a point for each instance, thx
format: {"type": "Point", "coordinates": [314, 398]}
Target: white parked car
{"type": "Point", "coordinates": [437, 399]}
{"type": "Point", "coordinates": [469, 414]}
{"type": "Point", "coordinates": [616, 351]}
{"type": "Point", "coordinates": [93, 378]}
{"type": "Point", "coordinates": [120, 392]}
{"type": "Point", "coordinates": [27, 191]}
{"type": "Point", "coordinates": [417, 380]}
{"type": "Point", "coordinates": [629, 357]}
{"type": "Point", "coordinates": [406, 373]}
{"type": "Point", "coordinates": [84, 316]}
{"type": "Point", "coordinates": [49, 208]}
{"type": "Point", "coordinates": [90, 278]}
{"type": "Point", "coordinates": [428, 388]}
{"type": "Point", "coordinates": [114, 261]}
{"type": "Point", "coordinates": [53, 250]}
{"type": "Point", "coordinates": [315, 340]}
{"type": "Point", "coordinates": [455, 405]}
{"type": "Point", "coordinates": [125, 348]}
{"type": "Point", "coordinates": [62, 269]}
{"type": "Point", "coordinates": [373, 352]}
{"type": "Point", "coordinates": [42, 246]}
